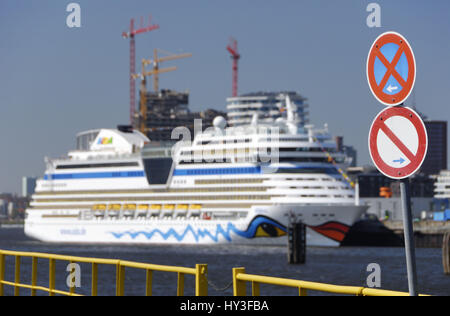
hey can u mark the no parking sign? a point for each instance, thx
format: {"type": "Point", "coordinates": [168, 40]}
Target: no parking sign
{"type": "Point", "coordinates": [398, 142]}
{"type": "Point", "coordinates": [391, 69]}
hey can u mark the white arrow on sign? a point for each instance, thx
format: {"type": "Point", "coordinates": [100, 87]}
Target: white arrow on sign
{"type": "Point", "coordinates": [391, 88]}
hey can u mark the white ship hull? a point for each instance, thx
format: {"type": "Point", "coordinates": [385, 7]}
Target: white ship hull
{"type": "Point", "coordinates": [326, 226]}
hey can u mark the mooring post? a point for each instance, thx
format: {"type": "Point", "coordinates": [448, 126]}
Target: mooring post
{"type": "Point", "coordinates": [446, 253]}
{"type": "Point", "coordinates": [296, 243]}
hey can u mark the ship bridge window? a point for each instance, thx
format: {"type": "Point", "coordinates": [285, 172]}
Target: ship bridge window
{"type": "Point", "coordinates": [99, 165]}
{"type": "Point", "coordinates": [84, 140]}
{"type": "Point", "coordinates": [157, 170]}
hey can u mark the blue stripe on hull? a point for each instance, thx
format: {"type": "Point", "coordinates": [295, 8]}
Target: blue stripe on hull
{"type": "Point", "coordinates": [176, 172]}
{"type": "Point", "coordinates": [217, 171]}
{"type": "Point", "coordinates": [94, 175]}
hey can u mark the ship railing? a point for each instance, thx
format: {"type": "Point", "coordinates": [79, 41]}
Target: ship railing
{"type": "Point", "coordinates": [162, 210]}
{"type": "Point", "coordinates": [240, 279]}
{"type": "Point", "coordinates": [199, 272]}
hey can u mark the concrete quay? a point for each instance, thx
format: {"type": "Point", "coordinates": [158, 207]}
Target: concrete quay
{"type": "Point", "coordinates": [427, 234]}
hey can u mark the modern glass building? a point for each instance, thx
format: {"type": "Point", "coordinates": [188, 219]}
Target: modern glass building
{"type": "Point", "coordinates": [267, 105]}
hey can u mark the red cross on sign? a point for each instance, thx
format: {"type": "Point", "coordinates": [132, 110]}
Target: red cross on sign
{"type": "Point", "coordinates": [398, 142]}
{"type": "Point", "coordinates": [391, 69]}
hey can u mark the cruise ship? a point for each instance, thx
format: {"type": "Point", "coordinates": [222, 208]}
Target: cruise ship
{"type": "Point", "coordinates": [227, 184]}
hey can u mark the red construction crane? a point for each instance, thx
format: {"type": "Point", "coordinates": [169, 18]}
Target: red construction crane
{"type": "Point", "coordinates": [232, 48]}
{"type": "Point", "coordinates": [131, 34]}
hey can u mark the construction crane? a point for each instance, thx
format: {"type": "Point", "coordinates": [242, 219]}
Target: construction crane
{"type": "Point", "coordinates": [155, 61]}
{"type": "Point", "coordinates": [143, 91]}
{"type": "Point", "coordinates": [155, 73]}
{"type": "Point", "coordinates": [131, 34]}
{"type": "Point", "coordinates": [232, 48]}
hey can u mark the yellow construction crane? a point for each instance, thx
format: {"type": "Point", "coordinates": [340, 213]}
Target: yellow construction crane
{"type": "Point", "coordinates": [155, 61]}
{"type": "Point", "coordinates": [155, 72]}
{"type": "Point", "coordinates": [143, 92]}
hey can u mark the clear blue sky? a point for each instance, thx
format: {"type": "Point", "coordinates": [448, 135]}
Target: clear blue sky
{"type": "Point", "coordinates": [56, 81]}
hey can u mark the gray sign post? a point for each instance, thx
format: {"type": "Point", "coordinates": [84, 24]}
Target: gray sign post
{"type": "Point", "coordinates": [409, 237]}
{"type": "Point", "coordinates": [398, 140]}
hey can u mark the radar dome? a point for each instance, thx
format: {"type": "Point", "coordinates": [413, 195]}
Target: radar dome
{"type": "Point", "coordinates": [219, 122]}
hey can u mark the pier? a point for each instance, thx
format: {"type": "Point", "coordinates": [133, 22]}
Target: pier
{"type": "Point", "coordinates": [427, 234]}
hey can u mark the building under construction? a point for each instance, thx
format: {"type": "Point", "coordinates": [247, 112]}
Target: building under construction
{"type": "Point", "coordinates": [161, 111]}
{"type": "Point", "coordinates": [167, 110]}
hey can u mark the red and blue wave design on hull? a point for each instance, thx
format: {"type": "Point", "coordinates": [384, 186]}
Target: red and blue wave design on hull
{"type": "Point", "coordinates": [260, 226]}
{"type": "Point", "coordinates": [333, 230]}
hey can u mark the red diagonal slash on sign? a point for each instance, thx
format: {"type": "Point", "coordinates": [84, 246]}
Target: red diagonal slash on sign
{"type": "Point", "coordinates": [397, 142]}
{"type": "Point", "coordinates": [391, 67]}
{"type": "Point", "coordinates": [419, 132]}
{"type": "Point", "coordinates": [374, 53]}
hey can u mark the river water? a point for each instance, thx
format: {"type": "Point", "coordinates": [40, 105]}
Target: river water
{"type": "Point", "coordinates": [340, 266]}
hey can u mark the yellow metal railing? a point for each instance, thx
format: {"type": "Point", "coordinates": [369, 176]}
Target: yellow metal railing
{"type": "Point", "coordinates": [200, 273]}
{"type": "Point", "coordinates": [240, 278]}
